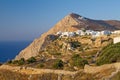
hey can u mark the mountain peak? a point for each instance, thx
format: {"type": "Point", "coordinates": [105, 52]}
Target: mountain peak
{"type": "Point", "coordinates": [77, 17]}
{"type": "Point", "coordinates": [74, 15]}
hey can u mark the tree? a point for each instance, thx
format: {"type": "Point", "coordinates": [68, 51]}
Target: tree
{"type": "Point", "coordinates": [58, 64]}
{"type": "Point", "coordinates": [21, 61]}
{"type": "Point", "coordinates": [31, 60]}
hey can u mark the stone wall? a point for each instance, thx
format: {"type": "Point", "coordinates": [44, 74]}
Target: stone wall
{"type": "Point", "coordinates": [116, 40]}
{"type": "Point", "coordinates": [96, 69]}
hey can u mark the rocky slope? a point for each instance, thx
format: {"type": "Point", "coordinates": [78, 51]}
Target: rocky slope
{"type": "Point", "coordinates": [71, 22]}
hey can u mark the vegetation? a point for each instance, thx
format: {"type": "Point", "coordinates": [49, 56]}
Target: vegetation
{"type": "Point", "coordinates": [78, 61]}
{"type": "Point", "coordinates": [75, 44]}
{"type": "Point", "coordinates": [109, 54]}
{"type": "Point", "coordinates": [58, 64]}
{"type": "Point", "coordinates": [17, 62]}
{"type": "Point", "coordinates": [21, 61]}
{"type": "Point", "coordinates": [40, 65]}
{"type": "Point", "coordinates": [9, 62]}
{"type": "Point", "coordinates": [31, 60]}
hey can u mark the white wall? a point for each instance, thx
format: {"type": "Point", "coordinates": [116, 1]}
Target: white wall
{"type": "Point", "coordinates": [116, 40]}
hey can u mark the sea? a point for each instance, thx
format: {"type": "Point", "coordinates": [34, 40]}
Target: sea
{"type": "Point", "coordinates": [9, 49]}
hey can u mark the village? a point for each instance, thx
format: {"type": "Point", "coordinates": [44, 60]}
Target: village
{"type": "Point", "coordinates": [92, 33]}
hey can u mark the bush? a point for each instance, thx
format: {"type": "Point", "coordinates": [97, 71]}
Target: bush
{"type": "Point", "coordinates": [78, 61]}
{"type": "Point", "coordinates": [31, 60]}
{"type": "Point", "coordinates": [75, 44]}
{"type": "Point", "coordinates": [40, 65]}
{"type": "Point", "coordinates": [21, 61]}
{"type": "Point", "coordinates": [18, 62]}
{"type": "Point", "coordinates": [109, 54]}
{"type": "Point", "coordinates": [58, 64]}
{"type": "Point", "coordinates": [15, 62]}
{"type": "Point", "coordinates": [9, 62]}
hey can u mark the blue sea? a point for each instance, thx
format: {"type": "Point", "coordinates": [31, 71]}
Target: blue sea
{"type": "Point", "coordinates": [8, 50]}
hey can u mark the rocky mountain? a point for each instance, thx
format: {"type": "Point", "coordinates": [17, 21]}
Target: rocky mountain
{"type": "Point", "coordinates": [71, 22]}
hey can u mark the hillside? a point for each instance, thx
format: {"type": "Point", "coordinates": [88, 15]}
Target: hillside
{"type": "Point", "coordinates": [67, 53]}
{"type": "Point", "coordinates": [55, 55]}
{"type": "Point", "coordinates": [71, 22]}
{"type": "Point", "coordinates": [109, 54]}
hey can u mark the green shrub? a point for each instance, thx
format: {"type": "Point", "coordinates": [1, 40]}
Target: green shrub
{"type": "Point", "coordinates": [17, 62]}
{"type": "Point", "coordinates": [75, 44]}
{"type": "Point", "coordinates": [40, 65]}
{"type": "Point", "coordinates": [21, 61]}
{"type": "Point", "coordinates": [78, 61]}
{"type": "Point", "coordinates": [9, 62]}
{"type": "Point", "coordinates": [109, 54]}
{"type": "Point", "coordinates": [31, 60]}
{"type": "Point", "coordinates": [58, 64]}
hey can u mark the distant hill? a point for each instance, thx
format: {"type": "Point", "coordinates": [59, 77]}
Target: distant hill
{"type": "Point", "coordinates": [71, 22]}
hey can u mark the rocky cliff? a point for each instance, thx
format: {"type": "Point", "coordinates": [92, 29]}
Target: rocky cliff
{"type": "Point", "coordinates": [71, 22]}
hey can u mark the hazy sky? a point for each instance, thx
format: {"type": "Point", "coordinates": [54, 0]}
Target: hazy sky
{"type": "Point", "coordinates": [27, 19]}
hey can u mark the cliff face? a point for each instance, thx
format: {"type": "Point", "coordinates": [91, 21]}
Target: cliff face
{"type": "Point", "coordinates": [71, 22]}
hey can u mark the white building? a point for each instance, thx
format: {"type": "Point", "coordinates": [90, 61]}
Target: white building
{"type": "Point", "coordinates": [98, 34]}
{"type": "Point", "coordinates": [59, 33]}
{"type": "Point", "coordinates": [116, 40]}
{"type": "Point", "coordinates": [67, 34]}
{"type": "Point", "coordinates": [89, 32]}
{"type": "Point", "coordinates": [116, 32]}
{"type": "Point", "coordinates": [80, 32]}
{"type": "Point", "coordinates": [106, 32]}
{"type": "Point", "coordinates": [83, 33]}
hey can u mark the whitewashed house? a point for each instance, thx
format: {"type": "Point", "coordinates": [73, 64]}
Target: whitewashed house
{"type": "Point", "coordinates": [116, 32]}
{"type": "Point", "coordinates": [59, 33]}
{"type": "Point", "coordinates": [105, 32]}
{"type": "Point", "coordinates": [98, 34]}
{"type": "Point", "coordinates": [71, 34]}
{"type": "Point", "coordinates": [80, 32]}
{"type": "Point", "coordinates": [88, 32]}
{"type": "Point", "coordinates": [83, 33]}
{"type": "Point", "coordinates": [67, 34]}
{"type": "Point", "coordinates": [116, 40]}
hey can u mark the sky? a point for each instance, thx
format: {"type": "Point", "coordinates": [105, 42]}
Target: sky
{"type": "Point", "coordinates": [25, 20]}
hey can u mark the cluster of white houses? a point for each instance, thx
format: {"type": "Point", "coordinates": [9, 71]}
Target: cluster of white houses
{"type": "Point", "coordinates": [87, 32]}
{"type": "Point", "coordinates": [90, 32]}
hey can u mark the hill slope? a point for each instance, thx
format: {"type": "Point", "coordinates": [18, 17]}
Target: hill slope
{"type": "Point", "coordinates": [109, 54]}
{"type": "Point", "coordinates": [71, 22]}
